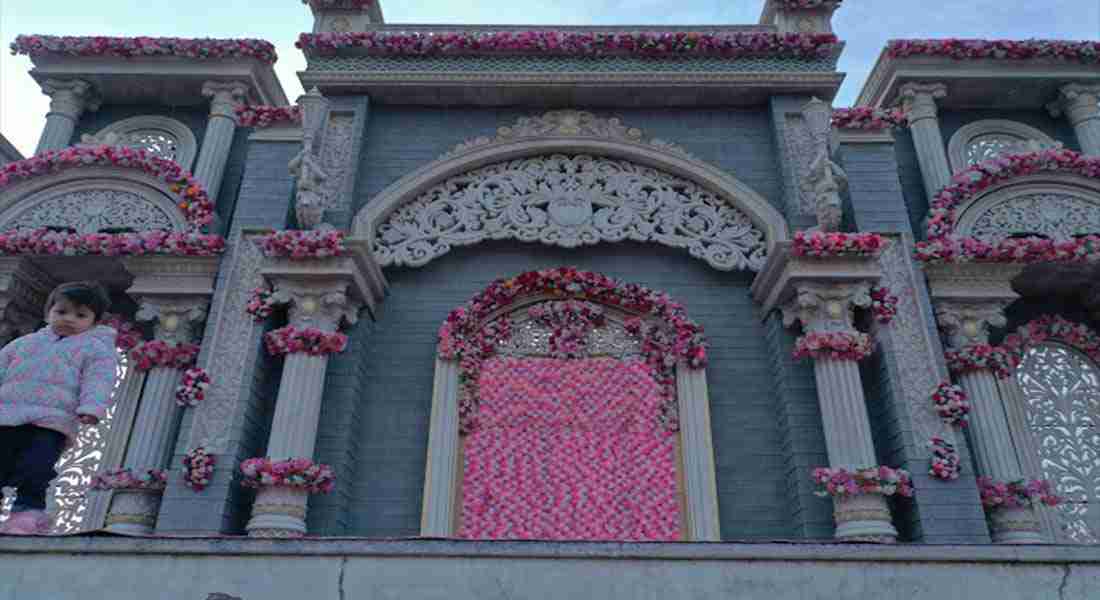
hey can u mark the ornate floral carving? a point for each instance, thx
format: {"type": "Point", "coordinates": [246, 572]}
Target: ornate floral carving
{"type": "Point", "coordinates": [570, 201]}
{"type": "Point", "coordinates": [94, 211]}
{"type": "Point", "coordinates": [1059, 217]}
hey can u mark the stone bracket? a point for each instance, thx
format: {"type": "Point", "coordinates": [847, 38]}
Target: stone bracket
{"type": "Point", "coordinates": [785, 273]}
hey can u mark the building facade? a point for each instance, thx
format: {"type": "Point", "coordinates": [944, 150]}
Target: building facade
{"type": "Point", "coordinates": [628, 312]}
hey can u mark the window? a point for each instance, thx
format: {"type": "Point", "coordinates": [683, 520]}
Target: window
{"type": "Point", "coordinates": [983, 140]}
{"type": "Point", "coordinates": [160, 136]}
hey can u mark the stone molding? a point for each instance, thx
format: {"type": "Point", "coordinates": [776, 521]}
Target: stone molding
{"type": "Point", "coordinates": [957, 146]}
{"type": "Point", "coordinates": [187, 146]}
{"type": "Point", "coordinates": [70, 97]}
{"type": "Point", "coordinates": [355, 274]}
{"type": "Point", "coordinates": [1054, 222]}
{"type": "Point", "coordinates": [967, 323]}
{"type": "Point", "coordinates": [865, 136]}
{"type": "Point", "coordinates": [972, 282]}
{"type": "Point", "coordinates": [785, 273]}
{"type": "Point", "coordinates": [798, 20]}
{"type": "Point", "coordinates": [410, 187]}
{"type": "Point", "coordinates": [187, 276]}
{"type": "Point", "coordinates": [345, 16]}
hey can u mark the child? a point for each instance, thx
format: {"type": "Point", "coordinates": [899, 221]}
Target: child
{"type": "Point", "coordinates": [51, 381]}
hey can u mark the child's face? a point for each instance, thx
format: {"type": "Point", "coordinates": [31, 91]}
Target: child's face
{"type": "Point", "coordinates": [67, 318]}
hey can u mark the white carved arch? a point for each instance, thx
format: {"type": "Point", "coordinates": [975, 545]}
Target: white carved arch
{"type": "Point", "coordinates": [443, 469]}
{"type": "Point", "coordinates": [91, 199]}
{"type": "Point", "coordinates": [161, 136]}
{"type": "Point", "coordinates": [982, 140]}
{"type": "Point", "coordinates": [1055, 206]}
{"type": "Point", "coordinates": [737, 201]}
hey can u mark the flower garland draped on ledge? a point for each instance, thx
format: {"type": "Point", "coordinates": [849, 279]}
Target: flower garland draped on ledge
{"type": "Point", "coordinates": [124, 479]}
{"type": "Point", "coordinates": [134, 47]}
{"type": "Point", "coordinates": [260, 116]}
{"type": "Point", "coordinates": [807, 4]}
{"type": "Point", "coordinates": [840, 483]}
{"type": "Point", "coordinates": [299, 473]}
{"type": "Point", "coordinates": [869, 118]}
{"type": "Point", "coordinates": [943, 245]}
{"type": "Point", "coordinates": [1017, 494]}
{"type": "Point", "coordinates": [973, 49]}
{"type": "Point", "coordinates": [653, 44]}
{"type": "Point", "coordinates": [327, 4]}
{"type": "Point", "coordinates": [297, 244]}
{"type": "Point", "coordinates": [818, 244]}
{"type": "Point", "coordinates": [46, 242]}
{"type": "Point", "coordinates": [1004, 359]}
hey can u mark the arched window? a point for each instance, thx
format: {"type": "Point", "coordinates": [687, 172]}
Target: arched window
{"type": "Point", "coordinates": [160, 136]}
{"type": "Point", "coordinates": [558, 423]}
{"type": "Point", "coordinates": [1061, 396]}
{"type": "Point", "coordinates": [982, 140]}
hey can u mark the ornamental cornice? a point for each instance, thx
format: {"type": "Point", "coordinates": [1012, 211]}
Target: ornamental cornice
{"type": "Point", "coordinates": [784, 274]}
{"type": "Point", "coordinates": [972, 282]}
{"type": "Point", "coordinates": [354, 274]}
{"type": "Point", "coordinates": [172, 276]}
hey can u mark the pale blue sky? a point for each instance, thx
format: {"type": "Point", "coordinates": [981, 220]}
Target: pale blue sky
{"type": "Point", "coordinates": [864, 25]}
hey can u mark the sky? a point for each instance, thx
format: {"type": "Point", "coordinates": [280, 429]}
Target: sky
{"type": "Point", "coordinates": [864, 25]}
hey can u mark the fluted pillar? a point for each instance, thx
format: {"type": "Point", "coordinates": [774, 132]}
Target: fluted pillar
{"type": "Point", "coordinates": [919, 100]}
{"type": "Point", "coordinates": [280, 511]}
{"type": "Point", "coordinates": [68, 101]}
{"type": "Point", "coordinates": [964, 325]}
{"type": "Point", "coordinates": [825, 308]}
{"type": "Point", "coordinates": [175, 321]}
{"type": "Point", "coordinates": [218, 140]}
{"type": "Point", "coordinates": [1080, 103]}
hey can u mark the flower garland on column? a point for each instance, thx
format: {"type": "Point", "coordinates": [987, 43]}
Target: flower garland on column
{"type": "Point", "coordinates": [299, 473]}
{"type": "Point", "coordinates": [308, 340]}
{"type": "Point", "coordinates": [946, 464]}
{"type": "Point", "coordinates": [158, 353]}
{"type": "Point", "coordinates": [124, 479]}
{"type": "Point", "coordinates": [1021, 493]}
{"type": "Point", "coordinates": [841, 483]}
{"type": "Point", "coordinates": [835, 345]}
{"type": "Point", "coordinates": [262, 304]}
{"type": "Point", "coordinates": [884, 304]}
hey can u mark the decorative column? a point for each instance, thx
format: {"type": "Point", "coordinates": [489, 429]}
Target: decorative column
{"type": "Point", "coordinates": [68, 101]}
{"type": "Point", "coordinates": [344, 15]}
{"type": "Point", "coordinates": [218, 140]}
{"type": "Point", "coordinates": [176, 321]}
{"type": "Point", "coordinates": [1081, 105]}
{"type": "Point", "coordinates": [919, 100]}
{"type": "Point", "coordinates": [322, 294]}
{"type": "Point", "coordinates": [825, 310]}
{"type": "Point", "coordinates": [966, 327]}
{"type": "Point", "coordinates": [788, 19]}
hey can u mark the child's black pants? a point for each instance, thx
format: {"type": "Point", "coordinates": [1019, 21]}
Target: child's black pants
{"type": "Point", "coordinates": [28, 454]}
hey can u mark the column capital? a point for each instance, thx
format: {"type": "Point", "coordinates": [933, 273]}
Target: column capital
{"type": "Point", "coordinates": [175, 320]}
{"type": "Point", "coordinates": [826, 307]}
{"type": "Point", "coordinates": [968, 323]}
{"type": "Point", "coordinates": [71, 97]}
{"type": "Point", "coordinates": [225, 97]}
{"type": "Point", "coordinates": [1077, 101]}
{"type": "Point", "coordinates": [325, 305]}
{"type": "Point", "coordinates": [919, 99]}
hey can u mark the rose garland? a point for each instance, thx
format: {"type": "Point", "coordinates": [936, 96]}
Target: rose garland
{"type": "Point", "coordinates": [944, 246]}
{"type": "Point", "coordinates": [971, 49]}
{"type": "Point", "coordinates": [192, 198]}
{"type": "Point", "coordinates": [45, 242]}
{"type": "Point", "coordinates": [1017, 494]}
{"type": "Point", "coordinates": [577, 43]}
{"type": "Point", "coordinates": [570, 322]}
{"type": "Point", "coordinates": [310, 340]}
{"type": "Point", "coordinates": [299, 473]}
{"type": "Point", "coordinates": [870, 118]}
{"type": "Point", "coordinates": [999, 359]}
{"type": "Point", "coordinates": [820, 244]}
{"type": "Point", "coordinates": [946, 464]}
{"type": "Point", "coordinates": [158, 353]}
{"type": "Point", "coordinates": [124, 479]}
{"type": "Point", "coordinates": [255, 115]}
{"type": "Point", "coordinates": [807, 4]}
{"type": "Point", "coordinates": [835, 345]}
{"type": "Point", "coordinates": [952, 404]}
{"type": "Point", "coordinates": [324, 4]}
{"type": "Point", "coordinates": [198, 469]}
{"type": "Point", "coordinates": [131, 47]}
{"type": "Point", "coordinates": [466, 336]}
{"type": "Point", "coordinates": [884, 305]}
{"type": "Point", "coordinates": [192, 388]}
{"type": "Point", "coordinates": [1037, 331]}
{"type": "Point", "coordinates": [299, 244]}
{"type": "Point", "coordinates": [261, 304]}
{"type": "Point", "coordinates": [842, 483]}
{"type": "Point", "coordinates": [128, 334]}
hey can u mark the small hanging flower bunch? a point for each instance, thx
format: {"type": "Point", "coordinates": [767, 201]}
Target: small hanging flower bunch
{"type": "Point", "coordinates": [198, 469]}
{"type": "Point", "coordinates": [952, 404]}
{"type": "Point", "coordinates": [884, 305]}
{"type": "Point", "coordinates": [128, 333]}
{"type": "Point", "coordinates": [124, 479]}
{"type": "Point", "coordinates": [1017, 494]}
{"type": "Point", "coordinates": [945, 460]}
{"type": "Point", "coordinates": [192, 388]}
{"type": "Point", "coordinates": [261, 304]}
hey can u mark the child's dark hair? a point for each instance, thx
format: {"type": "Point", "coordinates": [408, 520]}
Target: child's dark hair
{"type": "Point", "coordinates": [82, 293]}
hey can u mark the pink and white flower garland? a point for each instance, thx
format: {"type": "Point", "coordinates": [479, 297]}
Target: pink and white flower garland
{"type": "Point", "coordinates": [44, 242]}
{"type": "Point", "coordinates": [870, 118]}
{"type": "Point", "coordinates": [943, 245]}
{"type": "Point", "coordinates": [303, 244]}
{"type": "Point", "coordinates": [807, 4]}
{"type": "Point", "coordinates": [198, 469]}
{"type": "Point", "coordinates": [128, 334]}
{"type": "Point", "coordinates": [309, 340]}
{"type": "Point", "coordinates": [884, 304]}
{"type": "Point", "coordinates": [323, 4]}
{"type": "Point", "coordinates": [834, 345]}
{"type": "Point", "coordinates": [1017, 494]}
{"type": "Point", "coordinates": [299, 473]}
{"type": "Point", "coordinates": [842, 483]}
{"type": "Point", "coordinates": [192, 388]}
{"type": "Point", "coordinates": [972, 49]}
{"type": "Point", "coordinates": [132, 47]}
{"type": "Point", "coordinates": [124, 479]}
{"type": "Point", "coordinates": [577, 43]}
{"type": "Point", "coordinates": [191, 197]}
{"type": "Point", "coordinates": [257, 115]}
{"type": "Point", "coordinates": [1056, 327]}
{"type": "Point", "coordinates": [570, 322]}
{"type": "Point", "coordinates": [1000, 360]}
{"type": "Point", "coordinates": [952, 404]}
{"type": "Point", "coordinates": [158, 353]}
{"type": "Point", "coordinates": [946, 464]}
{"type": "Point", "coordinates": [261, 304]}
{"type": "Point", "coordinates": [819, 244]}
